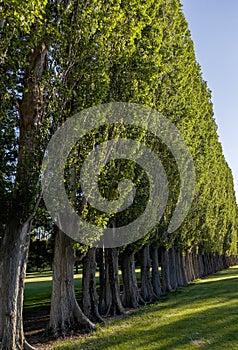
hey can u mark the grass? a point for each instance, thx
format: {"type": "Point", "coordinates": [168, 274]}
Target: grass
{"type": "Point", "coordinates": [203, 315]}
{"type": "Point", "coordinates": [38, 289]}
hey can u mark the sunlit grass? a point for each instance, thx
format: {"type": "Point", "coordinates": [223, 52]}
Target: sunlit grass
{"type": "Point", "coordinates": [38, 289]}
{"type": "Point", "coordinates": [203, 315]}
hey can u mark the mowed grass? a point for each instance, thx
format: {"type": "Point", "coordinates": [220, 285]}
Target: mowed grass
{"type": "Point", "coordinates": [203, 315]}
{"type": "Point", "coordinates": [38, 289]}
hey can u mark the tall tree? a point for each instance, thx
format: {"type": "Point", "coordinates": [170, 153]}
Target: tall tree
{"type": "Point", "coordinates": [28, 109]}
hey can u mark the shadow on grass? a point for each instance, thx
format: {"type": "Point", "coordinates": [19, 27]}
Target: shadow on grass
{"type": "Point", "coordinates": [38, 294]}
{"type": "Point", "coordinates": [39, 274]}
{"type": "Point", "coordinates": [203, 315]}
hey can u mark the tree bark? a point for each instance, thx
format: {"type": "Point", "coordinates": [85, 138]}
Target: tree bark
{"type": "Point", "coordinates": [189, 271]}
{"type": "Point", "coordinates": [13, 257]}
{"type": "Point", "coordinates": [178, 266]}
{"type": "Point", "coordinates": [172, 268]}
{"type": "Point", "coordinates": [166, 286]}
{"type": "Point", "coordinates": [147, 292]}
{"type": "Point", "coordinates": [65, 313]}
{"type": "Point", "coordinates": [104, 287]}
{"type": "Point", "coordinates": [110, 301]}
{"type": "Point", "coordinates": [15, 243]}
{"type": "Point", "coordinates": [131, 296]}
{"type": "Point", "coordinates": [204, 257]}
{"type": "Point", "coordinates": [90, 296]}
{"type": "Point", "coordinates": [184, 271]}
{"type": "Point", "coordinates": [195, 263]}
{"type": "Point", "coordinates": [200, 265]}
{"type": "Point", "coordinates": [155, 276]}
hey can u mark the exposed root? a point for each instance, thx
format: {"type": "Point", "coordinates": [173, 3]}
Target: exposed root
{"type": "Point", "coordinates": [27, 346]}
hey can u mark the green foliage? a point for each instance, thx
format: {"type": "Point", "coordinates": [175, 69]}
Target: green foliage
{"type": "Point", "coordinates": [117, 51]}
{"type": "Point", "coordinates": [40, 255]}
{"type": "Point", "coordinates": [22, 14]}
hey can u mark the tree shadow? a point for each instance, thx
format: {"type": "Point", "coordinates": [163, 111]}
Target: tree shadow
{"type": "Point", "coordinates": [203, 315]}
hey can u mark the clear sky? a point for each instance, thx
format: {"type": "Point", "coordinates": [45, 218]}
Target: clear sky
{"type": "Point", "coordinates": [214, 28]}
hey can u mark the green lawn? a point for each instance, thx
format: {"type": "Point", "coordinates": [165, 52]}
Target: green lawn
{"type": "Point", "coordinates": [203, 315]}
{"type": "Point", "coordinates": [38, 289]}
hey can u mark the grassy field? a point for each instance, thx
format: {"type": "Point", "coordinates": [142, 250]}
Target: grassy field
{"type": "Point", "coordinates": [203, 315]}
{"type": "Point", "coordinates": [38, 289]}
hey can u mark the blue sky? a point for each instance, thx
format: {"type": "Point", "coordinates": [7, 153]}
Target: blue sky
{"type": "Point", "coordinates": [214, 28]}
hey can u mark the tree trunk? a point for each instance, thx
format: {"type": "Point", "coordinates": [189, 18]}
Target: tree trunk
{"type": "Point", "coordinates": [104, 287]}
{"type": "Point", "coordinates": [65, 313]}
{"type": "Point", "coordinates": [172, 268]}
{"type": "Point", "coordinates": [13, 257]}
{"type": "Point", "coordinates": [15, 243]}
{"type": "Point", "coordinates": [189, 267]}
{"type": "Point", "coordinates": [90, 296]}
{"type": "Point", "coordinates": [195, 263]}
{"type": "Point", "coordinates": [166, 286]}
{"type": "Point", "coordinates": [110, 301]}
{"type": "Point", "coordinates": [178, 266]}
{"type": "Point", "coordinates": [147, 292]}
{"type": "Point", "coordinates": [204, 257]}
{"type": "Point", "coordinates": [183, 267]}
{"type": "Point", "coordinates": [200, 265]}
{"type": "Point", "coordinates": [131, 296]}
{"type": "Point", "coordinates": [155, 276]}
{"type": "Point", "coordinates": [224, 262]}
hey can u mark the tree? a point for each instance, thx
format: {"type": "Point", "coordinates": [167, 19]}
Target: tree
{"type": "Point", "coordinates": [65, 313]}
{"type": "Point", "coordinates": [28, 108]}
